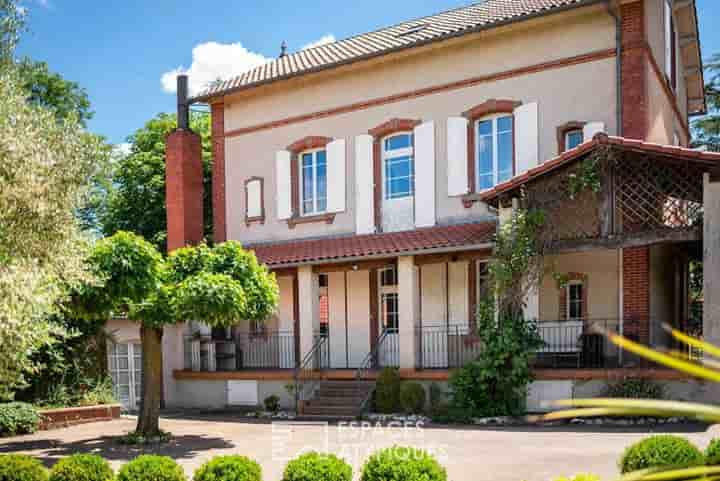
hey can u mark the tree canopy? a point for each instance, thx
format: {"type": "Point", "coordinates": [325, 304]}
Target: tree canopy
{"type": "Point", "coordinates": [218, 286]}
{"type": "Point", "coordinates": [706, 129]}
{"type": "Point", "coordinates": [135, 201]}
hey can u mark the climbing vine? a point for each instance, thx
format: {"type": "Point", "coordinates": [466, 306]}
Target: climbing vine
{"type": "Point", "coordinates": [586, 178]}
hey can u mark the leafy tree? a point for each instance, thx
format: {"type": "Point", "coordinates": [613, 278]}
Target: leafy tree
{"type": "Point", "coordinates": [45, 167]}
{"type": "Point", "coordinates": [12, 22]}
{"type": "Point", "coordinates": [136, 196]}
{"type": "Point", "coordinates": [51, 91]}
{"type": "Point", "coordinates": [707, 128]}
{"type": "Point", "coordinates": [219, 285]}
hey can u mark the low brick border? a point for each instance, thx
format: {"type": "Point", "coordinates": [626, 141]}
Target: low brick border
{"type": "Point", "coordinates": [64, 417]}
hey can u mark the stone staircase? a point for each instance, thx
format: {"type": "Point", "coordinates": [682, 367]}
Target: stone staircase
{"type": "Point", "coordinates": [338, 399]}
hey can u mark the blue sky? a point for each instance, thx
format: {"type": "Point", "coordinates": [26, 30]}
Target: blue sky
{"type": "Point", "coordinates": [120, 50]}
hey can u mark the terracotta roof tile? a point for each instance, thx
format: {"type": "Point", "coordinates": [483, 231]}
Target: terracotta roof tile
{"type": "Point", "coordinates": [670, 151]}
{"type": "Point", "coordinates": [483, 14]}
{"type": "Point", "coordinates": [339, 248]}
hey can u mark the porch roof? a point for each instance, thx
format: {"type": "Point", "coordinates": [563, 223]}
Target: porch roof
{"type": "Point", "coordinates": [711, 160]}
{"type": "Point", "coordinates": [433, 239]}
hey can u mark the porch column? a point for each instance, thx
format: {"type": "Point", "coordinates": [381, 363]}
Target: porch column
{"type": "Point", "coordinates": [309, 308]}
{"type": "Point", "coordinates": [407, 305]}
{"type": "Point", "coordinates": [711, 260]}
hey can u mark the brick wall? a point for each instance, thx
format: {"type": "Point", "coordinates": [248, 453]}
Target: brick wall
{"type": "Point", "coordinates": [636, 293]}
{"type": "Point", "coordinates": [218, 172]}
{"type": "Point", "coordinates": [634, 88]}
{"type": "Point", "coordinates": [184, 189]}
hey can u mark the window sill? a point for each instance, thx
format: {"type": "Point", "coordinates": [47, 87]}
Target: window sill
{"type": "Point", "coordinates": [254, 220]}
{"type": "Point", "coordinates": [327, 218]}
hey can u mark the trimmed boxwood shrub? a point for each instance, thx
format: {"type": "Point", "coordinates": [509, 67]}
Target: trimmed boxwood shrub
{"type": "Point", "coordinates": [272, 403]}
{"type": "Point", "coordinates": [229, 468]}
{"type": "Point", "coordinates": [150, 467]}
{"type": "Point", "coordinates": [663, 451]}
{"type": "Point", "coordinates": [712, 452]}
{"type": "Point", "coordinates": [412, 397]}
{"type": "Point", "coordinates": [314, 466]}
{"type": "Point", "coordinates": [387, 391]}
{"type": "Point", "coordinates": [82, 467]}
{"type": "Point", "coordinates": [18, 418]}
{"type": "Point", "coordinates": [20, 467]}
{"type": "Point", "coordinates": [402, 464]}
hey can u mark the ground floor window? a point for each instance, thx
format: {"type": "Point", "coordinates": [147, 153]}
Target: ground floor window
{"type": "Point", "coordinates": [125, 366]}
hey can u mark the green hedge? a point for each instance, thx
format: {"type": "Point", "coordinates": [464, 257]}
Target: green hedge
{"type": "Point", "coordinates": [402, 464]}
{"type": "Point", "coordinates": [18, 418]}
{"type": "Point", "coordinates": [663, 451]}
{"type": "Point", "coordinates": [20, 467]}
{"type": "Point", "coordinates": [229, 468]}
{"type": "Point", "coordinates": [387, 391]}
{"type": "Point", "coordinates": [412, 397]}
{"type": "Point", "coordinates": [149, 467]}
{"type": "Point", "coordinates": [314, 466]}
{"type": "Point", "coordinates": [82, 467]}
{"type": "Point", "coordinates": [712, 452]}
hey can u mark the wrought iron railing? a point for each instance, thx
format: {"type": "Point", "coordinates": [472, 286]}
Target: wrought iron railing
{"type": "Point", "coordinates": [264, 349]}
{"type": "Point", "coordinates": [309, 373]}
{"type": "Point", "coordinates": [567, 344]}
{"type": "Point", "coordinates": [372, 361]}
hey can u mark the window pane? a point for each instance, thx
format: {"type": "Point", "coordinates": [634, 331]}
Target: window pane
{"type": "Point", "coordinates": [573, 139]}
{"type": "Point", "coordinates": [399, 188]}
{"type": "Point", "coordinates": [401, 141]}
{"type": "Point", "coordinates": [307, 160]}
{"type": "Point", "coordinates": [321, 187]}
{"type": "Point", "coordinates": [504, 124]}
{"type": "Point", "coordinates": [485, 161]}
{"type": "Point", "coordinates": [485, 127]}
{"type": "Point", "coordinates": [398, 167]}
{"type": "Point", "coordinates": [388, 277]}
{"type": "Point", "coordinates": [505, 155]}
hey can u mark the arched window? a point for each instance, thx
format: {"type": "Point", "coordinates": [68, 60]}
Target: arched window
{"type": "Point", "coordinates": [493, 150]}
{"type": "Point", "coordinates": [313, 181]}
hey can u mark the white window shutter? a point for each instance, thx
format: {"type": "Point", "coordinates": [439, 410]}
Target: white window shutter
{"type": "Point", "coordinates": [592, 128]}
{"type": "Point", "coordinates": [336, 176]}
{"type": "Point", "coordinates": [526, 137]}
{"type": "Point", "coordinates": [424, 135]}
{"type": "Point", "coordinates": [364, 185]}
{"type": "Point", "coordinates": [254, 198]}
{"type": "Point", "coordinates": [284, 184]}
{"type": "Point", "coordinates": [457, 141]}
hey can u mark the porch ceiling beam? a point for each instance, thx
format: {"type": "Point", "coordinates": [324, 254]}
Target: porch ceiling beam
{"type": "Point", "coordinates": [354, 266]}
{"type": "Point", "coordinates": [453, 257]}
{"type": "Point", "coordinates": [635, 240]}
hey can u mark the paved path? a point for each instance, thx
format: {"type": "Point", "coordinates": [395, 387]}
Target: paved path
{"type": "Point", "coordinates": [481, 454]}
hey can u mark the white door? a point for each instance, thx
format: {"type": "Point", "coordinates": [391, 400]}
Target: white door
{"type": "Point", "coordinates": [389, 318]}
{"type": "Point", "coordinates": [125, 366]}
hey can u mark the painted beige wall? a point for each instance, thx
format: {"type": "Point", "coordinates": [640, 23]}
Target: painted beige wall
{"type": "Point", "coordinates": [602, 269]}
{"type": "Point", "coordinates": [662, 121]}
{"type": "Point", "coordinates": [580, 92]}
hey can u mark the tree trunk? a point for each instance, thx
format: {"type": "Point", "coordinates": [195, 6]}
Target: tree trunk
{"type": "Point", "coordinates": [149, 417]}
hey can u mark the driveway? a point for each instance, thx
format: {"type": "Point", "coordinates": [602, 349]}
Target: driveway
{"type": "Point", "coordinates": [470, 454]}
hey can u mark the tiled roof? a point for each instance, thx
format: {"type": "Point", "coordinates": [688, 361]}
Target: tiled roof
{"type": "Point", "coordinates": [710, 159]}
{"type": "Point", "coordinates": [339, 248]}
{"type": "Point", "coordinates": [412, 33]}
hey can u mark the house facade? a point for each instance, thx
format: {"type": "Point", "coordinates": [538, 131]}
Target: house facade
{"type": "Point", "coordinates": [372, 173]}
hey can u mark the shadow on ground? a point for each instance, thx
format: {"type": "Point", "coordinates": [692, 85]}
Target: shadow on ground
{"type": "Point", "coordinates": [51, 450]}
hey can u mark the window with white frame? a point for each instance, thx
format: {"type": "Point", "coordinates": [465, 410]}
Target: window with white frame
{"type": "Point", "coordinates": [398, 166]}
{"type": "Point", "coordinates": [494, 150]}
{"type": "Point", "coordinates": [313, 182]}
{"type": "Point", "coordinates": [575, 300]}
{"type": "Point", "coordinates": [573, 138]}
{"type": "Point", "coordinates": [389, 306]}
{"type": "Point", "coordinates": [483, 282]}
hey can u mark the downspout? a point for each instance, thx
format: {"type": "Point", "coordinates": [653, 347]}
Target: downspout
{"type": "Point", "coordinates": [614, 12]}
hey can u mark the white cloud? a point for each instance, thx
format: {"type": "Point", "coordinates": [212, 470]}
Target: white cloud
{"type": "Point", "coordinates": [329, 38]}
{"type": "Point", "coordinates": [212, 61]}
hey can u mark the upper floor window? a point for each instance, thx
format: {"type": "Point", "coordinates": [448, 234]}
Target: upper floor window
{"type": "Point", "coordinates": [494, 150]}
{"type": "Point", "coordinates": [573, 138]}
{"type": "Point", "coordinates": [313, 182]}
{"type": "Point", "coordinates": [398, 166]}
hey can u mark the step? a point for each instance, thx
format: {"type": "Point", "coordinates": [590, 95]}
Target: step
{"type": "Point", "coordinates": [323, 410]}
{"type": "Point", "coordinates": [342, 392]}
{"type": "Point", "coordinates": [335, 401]}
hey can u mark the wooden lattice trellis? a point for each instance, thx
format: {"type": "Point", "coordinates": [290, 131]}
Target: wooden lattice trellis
{"type": "Point", "coordinates": [638, 194]}
{"type": "Point", "coordinates": [652, 194]}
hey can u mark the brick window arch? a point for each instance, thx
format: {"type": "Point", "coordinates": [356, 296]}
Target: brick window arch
{"type": "Point", "coordinates": [378, 133]}
{"type": "Point", "coordinates": [478, 112]}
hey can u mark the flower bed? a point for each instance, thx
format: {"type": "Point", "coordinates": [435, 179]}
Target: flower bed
{"type": "Point", "coordinates": [63, 417]}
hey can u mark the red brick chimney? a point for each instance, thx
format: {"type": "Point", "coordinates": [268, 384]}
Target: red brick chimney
{"type": "Point", "coordinates": [183, 179]}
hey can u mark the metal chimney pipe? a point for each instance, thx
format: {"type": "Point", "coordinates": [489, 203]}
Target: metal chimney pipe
{"type": "Point", "coordinates": [183, 109]}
